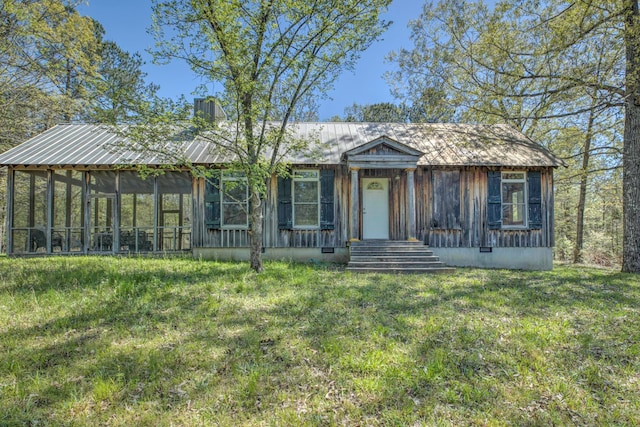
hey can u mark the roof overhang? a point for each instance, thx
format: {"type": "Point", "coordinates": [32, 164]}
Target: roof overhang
{"type": "Point", "coordinates": [382, 153]}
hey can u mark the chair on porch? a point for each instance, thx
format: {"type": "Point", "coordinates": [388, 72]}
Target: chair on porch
{"type": "Point", "coordinates": [38, 240]}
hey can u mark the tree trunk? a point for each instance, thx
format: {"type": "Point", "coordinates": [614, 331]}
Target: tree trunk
{"type": "Point", "coordinates": [582, 199]}
{"type": "Point", "coordinates": [631, 160]}
{"type": "Point", "coordinates": [256, 231]}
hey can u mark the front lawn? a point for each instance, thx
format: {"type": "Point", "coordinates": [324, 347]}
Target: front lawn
{"type": "Point", "coordinates": [128, 341]}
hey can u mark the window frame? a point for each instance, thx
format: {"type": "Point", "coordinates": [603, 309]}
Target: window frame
{"type": "Point", "coordinates": [525, 203]}
{"type": "Point", "coordinates": [227, 176]}
{"type": "Point", "coordinates": [318, 203]}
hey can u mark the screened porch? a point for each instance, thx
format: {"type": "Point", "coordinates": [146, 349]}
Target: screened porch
{"type": "Point", "coordinates": [98, 211]}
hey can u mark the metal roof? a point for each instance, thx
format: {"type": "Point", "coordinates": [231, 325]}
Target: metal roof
{"type": "Point", "coordinates": [443, 145]}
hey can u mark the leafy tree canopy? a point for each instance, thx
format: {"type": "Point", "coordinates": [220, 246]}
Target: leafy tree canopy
{"type": "Point", "coordinates": [545, 67]}
{"type": "Point", "coordinates": [271, 57]}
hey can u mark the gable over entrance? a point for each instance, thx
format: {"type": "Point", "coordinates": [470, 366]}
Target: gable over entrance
{"type": "Point", "coordinates": [382, 153]}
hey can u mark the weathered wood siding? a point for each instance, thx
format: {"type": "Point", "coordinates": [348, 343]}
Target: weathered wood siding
{"type": "Point", "coordinates": [273, 237]}
{"type": "Point", "coordinates": [471, 231]}
{"type": "Point", "coordinates": [474, 230]}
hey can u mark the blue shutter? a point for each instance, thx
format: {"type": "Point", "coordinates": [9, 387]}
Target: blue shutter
{"type": "Point", "coordinates": [284, 204]}
{"type": "Point", "coordinates": [494, 200]}
{"type": "Point", "coordinates": [212, 202]}
{"type": "Point", "coordinates": [535, 200]}
{"type": "Point", "coordinates": [326, 199]}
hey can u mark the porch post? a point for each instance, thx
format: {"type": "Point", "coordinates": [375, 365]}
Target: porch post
{"type": "Point", "coordinates": [9, 214]}
{"type": "Point", "coordinates": [355, 205]}
{"type": "Point", "coordinates": [411, 205]}
{"type": "Point", "coordinates": [115, 223]}
{"type": "Point", "coordinates": [49, 225]}
{"type": "Point", "coordinates": [86, 194]}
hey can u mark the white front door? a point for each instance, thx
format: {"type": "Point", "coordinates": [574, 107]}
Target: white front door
{"type": "Point", "coordinates": [375, 208]}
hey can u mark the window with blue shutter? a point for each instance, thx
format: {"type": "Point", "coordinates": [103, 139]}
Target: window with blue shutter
{"type": "Point", "coordinates": [306, 200]}
{"type": "Point", "coordinates": [535, 200]}
{"type": "Point", "coordinates": [226, 201]}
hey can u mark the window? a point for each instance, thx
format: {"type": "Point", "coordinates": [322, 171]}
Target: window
{"type": "Point", "coordinates": [514, 205]}
{"type": "Point", "coordinates": [306, 184]}
{"type": "Point", "coordinates": [235, 200]}
{"type": "Point", "coordinates": [306, 196]}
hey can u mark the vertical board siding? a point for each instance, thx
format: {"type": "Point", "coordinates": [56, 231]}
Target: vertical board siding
{"type": "Point", "coordinates": [273, 236]}
{"type": "Point", "coordinates": [446, 200]}
{"type": "Point", "coordinates": [472, 230]}
{"type": "Point", "coordinates": [474, 221]}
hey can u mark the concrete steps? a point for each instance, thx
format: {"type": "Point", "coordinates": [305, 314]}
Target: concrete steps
{"type": "Point", "coordinates": [393, 256]}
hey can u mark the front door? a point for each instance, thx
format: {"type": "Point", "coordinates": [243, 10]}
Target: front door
{"type": "Point", "coordinates": [375, 208]}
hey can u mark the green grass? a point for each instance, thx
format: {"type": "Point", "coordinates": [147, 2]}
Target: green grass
{"type": "Point", "coordinates": [127, 341]}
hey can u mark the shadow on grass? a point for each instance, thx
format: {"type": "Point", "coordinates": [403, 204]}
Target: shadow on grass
{"type": "Point", "coordinates": [383, 347]}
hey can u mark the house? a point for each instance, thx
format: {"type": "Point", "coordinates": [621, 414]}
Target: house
{"type": "Point", "coordinates": [477, 195]}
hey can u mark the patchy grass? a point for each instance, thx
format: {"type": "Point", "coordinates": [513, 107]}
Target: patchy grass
{"type": "Point", "coordinates": [126, 341]}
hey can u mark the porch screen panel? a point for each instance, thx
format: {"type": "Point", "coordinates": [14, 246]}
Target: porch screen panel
{"type": "Point", "coordinates": [103, 191]}
{"type": "Point", "coordinates": [103, 182]}
{"type": "Point", "coordinates": [67, 233]}
{"type": "Point", "coordinates": [136, 212]}
{"type": "Point", "coordinates": [174, 211]}
{"type": "Point", "coordinates": [29, 212]}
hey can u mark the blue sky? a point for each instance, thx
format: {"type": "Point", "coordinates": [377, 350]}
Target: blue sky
{"type": "Point", "coordinates": [126, 23]}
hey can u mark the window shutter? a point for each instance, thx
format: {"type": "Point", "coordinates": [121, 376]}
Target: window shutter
{"type": "Point", "coordinates": [284, 204]}
{"type": "Point", "coordinates": [212, 202]}
{"type": "Point", "coordinates": [326, 199]}
{"type": "Point", "coordinates": [535, 200]}
{"type": "Point", "coordinates": [494, 200]}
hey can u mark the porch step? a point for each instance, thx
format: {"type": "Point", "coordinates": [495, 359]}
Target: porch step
{"type": "Point", "coordinates": [389, 256]}
{"type": "Point", "coordinates": [391, 252]}
{"type": "Point", "coordinates": [395, 264]}
{"type": "Point", "coordinates": [406, 270]}
{"type": "Point", "coordinates": [393, 258]}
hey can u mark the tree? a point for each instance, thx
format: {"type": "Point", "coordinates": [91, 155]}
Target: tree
{"type": "Point", "coordinates": [383, 112]}
{"type": "Point", "coordinates": [47, 54]}
{"type": "Point", "coordinates": [119, 90]}
{"type": "Point", "coordinates": [426, 109]}
{"type": "Point", "coordinates": [269, 56]}
{"type": "Point", "coordinates": [540, 66]}
{"type": "Point", "coordinates": [631, 166]}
